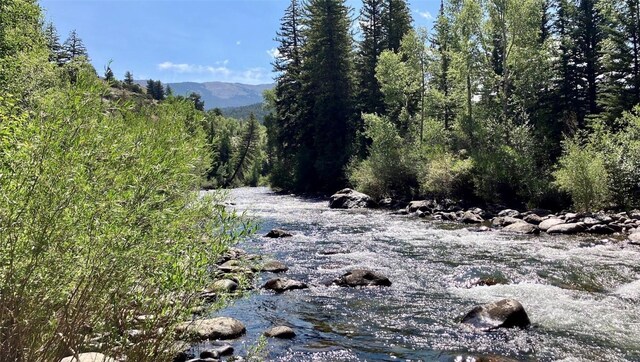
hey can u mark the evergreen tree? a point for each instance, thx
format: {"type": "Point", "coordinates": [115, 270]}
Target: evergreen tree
{"type": "Point", "coordinates": [155, 89]}
{"type": "Point", "coordinates": [328, 94]}
{"type": "Point", "coordinates": [589, 36]}
{"type": "Point", "coordinates": [168, 91]}
{"type": "Point", "coordinates": [73, 48]}
{"type": "Point", "coordinates": [128, 78]}
{"type": "Point", "coordinates": [53, 42]}
{"type": "Point", "coordinates": [370, 98]}
{"type": "Point", "coordinates": [397, 23]}
{"type": "Point", "coordinates": [439, 90]}
{"type": "Point", "coordinates": [619, 90]}
{"type": "Point", "coordinates": [196, 98]}
{"type": "Point", "coordinates": [286, 128]}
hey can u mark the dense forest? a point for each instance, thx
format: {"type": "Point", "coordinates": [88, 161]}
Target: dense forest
{"type": "Point", "coordinates": [527, 103]}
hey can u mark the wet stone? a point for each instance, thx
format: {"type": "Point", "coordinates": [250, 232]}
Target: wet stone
{"type": "Point", "coordinates": [278, 233]}
{"type": "Point", "coordinates": [280, 285]}
{"type": "Point", "coordinates": [506, 313]}
{"type": "Point", "coordinates": [274, 266]}
{"type": "Point", "coordinates": [362, 278]}
{"type": "Point", "coordinates": [282, 332]}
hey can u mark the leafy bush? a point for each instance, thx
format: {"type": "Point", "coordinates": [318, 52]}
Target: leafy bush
{"type": "Point", "coordinates": [582, 173]}
{"type": "Point", "coordinates": [390, 170]}
{"type": "Point", "coordinates": [446, 175]}
{"type": "Point", "coordinates": [100, 224]}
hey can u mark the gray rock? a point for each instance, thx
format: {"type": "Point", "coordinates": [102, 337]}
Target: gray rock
{"type": "Point", "coordinates": [88, 357]}
{"type": "Point", "coordinates": [533, 219]}
{"type": "Point", "coordinates": [634, 214]}
{"type": "Point", "coordinates": [600, 229]}
{"type": "Point", "coordinates": [210, 354]}
{"type": "Point", "coordinates": [591, 221]}
{"type": "Point", "coordinates": [278, 233]}
{"type": "Point", "coordinates": [283, 332]}
{"type": "Point", "coordinates": [224, 350]}
{"type": "Point", "coordinates": [546, 224]}
{"type": "Point", "coordinates": [504, 221]}
{"type": "Point", "coordinates": [234, 266]}
{"type": "Point", "coordinates": [571, 217]}
{"type": "Point", "coordinates": [570, 228]}
{"type": "Point", "coordinates": [605, 219]}
{"type": "Point", "coordinates": [350, 199]}
{"type": "Point", "coordinates": [634, 238]}
{"type": "Point", "coordinates": [274, 266]}
{"type": "Point", "coordinates": [522, 228]}
{"type": "Point", "coordinates": [506, 313]}
{"type": "Point", "coordinates": [362, 277]}
{"type": "Point", "coordinates": [224, 286]}
{"type": "Point", "coordinates": [213, 328]}
{"type": "Point", "coordinates": [449, 216]}
{"type": "Point", "coordinates": [471, 218]}
{"type": "Point", "coordinates": [509, 212]}
{"type": "Point", "coordinates": [421, 205]}
{"type": "Point", "coordinates": [280, 285]}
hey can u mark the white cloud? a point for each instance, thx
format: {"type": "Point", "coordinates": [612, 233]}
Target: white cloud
{"type": "Point", "coordinates": [219, 72]}
{"type": "Point", "coordinates": [273, 53]}
{"type": "Point", "coordinates": [425, 14]}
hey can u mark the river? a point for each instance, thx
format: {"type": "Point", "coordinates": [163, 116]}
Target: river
{"type": "Point", "coordinates": [582, 294]}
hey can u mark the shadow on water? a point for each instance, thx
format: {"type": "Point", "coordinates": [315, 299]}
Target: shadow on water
{"type": "Point", "coordinates": [582, 295]}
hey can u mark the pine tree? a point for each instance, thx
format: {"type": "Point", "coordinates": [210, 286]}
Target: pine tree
{"type": "Point", "coordinates": [589, 36]}
{"type": "Point", "coordinates": [286, 127]}
{"type": "Point", "coordinates": [328, 94]}
{"type": "Point", "coordinates": [128, 78]}
{"type": "Point", "coordinates": [72, 49]}
{"type": "Point", "coordinates": [440, 83]}
{"type": "Point", "coordinates": [168, 91]}
{"type": "Point", "coordinates": [196, 98]}
{"type": "Point", "coordinates": [619, 90]}
{"type": "Point", "coordinates": [247, 152]}
{"type": "Point", "coordinates": [53, 42]}
{"type": "Point", "coordinates": [397, 23]}
{"type": "Point", "coordinates": [370, 98]}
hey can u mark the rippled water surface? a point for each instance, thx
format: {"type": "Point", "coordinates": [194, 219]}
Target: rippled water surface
{"type": "Point", "coordinates": [582, 295]}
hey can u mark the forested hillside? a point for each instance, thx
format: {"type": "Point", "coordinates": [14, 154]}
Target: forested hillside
{"type": "Point", "coordinates": [509, 101]}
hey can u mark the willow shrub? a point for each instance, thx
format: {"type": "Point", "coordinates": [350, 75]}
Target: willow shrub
{"type": "Point", "coordinates": [101, 228]}
{"type": "Point", "coordinates": [582, 174]}
{"type": "Point", "coordinates": [391, 168]}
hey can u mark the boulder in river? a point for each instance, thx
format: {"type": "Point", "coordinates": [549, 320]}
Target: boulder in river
{"type": "Point", "coordinates": [274, 266]}
{"type": "Point", "coordinates": [533, 219]}
{"type": "Point", "coordinates": [471, 218]}
{"type": "Point", "coordinates": [504, 221]}
{"type": "Point", "coordinates": [522, 228]}
{"type": "Point", "coordinates": [506, 313]}
{"type": "Point", "coordinates": [280, 285]}
{"type": "Point", "coordinates": [224, 286]}
{"type": "Point", "coordinates": [278, 233]}
{"type": "Point", "coordinates": [634, 238]}
{"type": "Point", "coordinates": [570, 228]}
{"type": "Point", "coordinates": [362, 278]}
{"type": "Point", "coordinates": [88, 357]}
{"type": "Point", "coordinates": [213, 328]}
{"type": "Point", "coordinates": [282, 332]}
{"type": "Point", "coordinates": [601, 229]}
{"type": "Point", "coordinates": [509, 212]}
{"type": "Point", "coordinates": [421, 205]}
{"type": "Point", "coordinates": [546, 224]}
{"type": "Point", "coordinates": [350, 199]}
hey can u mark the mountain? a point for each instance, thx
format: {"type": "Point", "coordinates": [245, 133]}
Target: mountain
{"type": "Point", "coordinates": [220, 94]}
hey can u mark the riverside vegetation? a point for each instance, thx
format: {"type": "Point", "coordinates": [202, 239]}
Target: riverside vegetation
{"type": "Point", "coordinates": [105, 243]}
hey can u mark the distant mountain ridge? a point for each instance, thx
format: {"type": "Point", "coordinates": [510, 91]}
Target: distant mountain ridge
{"type": "Point", "coordinates": [219, 94]}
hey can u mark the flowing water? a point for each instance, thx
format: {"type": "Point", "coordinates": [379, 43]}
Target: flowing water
{"type": "Point", "coordinates": [582, 294]}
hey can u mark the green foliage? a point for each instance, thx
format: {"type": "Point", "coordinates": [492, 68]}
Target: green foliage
{"type": "Point", "coordinates": [581, 173]}
{"type": "Point", "coordinates": [101, 222]}
{"type": "Point", "coordinates": [446, 175]}
{"type": "Point", "coordinates": [389, 170]}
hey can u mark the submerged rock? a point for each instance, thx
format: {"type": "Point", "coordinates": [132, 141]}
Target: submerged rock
{"type": "Point", "coordinates": [274, 266]}
{"type": "Point", "coordinates": [88, 357]}
{"type": "Point", "coordinates": [471, 218]}
{"type": "Point", "coordinates": [213, 328]}
{"type": "Point", "coordinates": [361, 278]}
{"type": "Point", "coordinates": [506, 313]}
{"type": "Point", "coordinates": [601, 229]}
{"type": "Point", "coordinates": [280, 285]}
{"type": "Point", "coordinates": [522, 228]}
{"type": "Point", "coordinates": [283, 332]}
{"type": "Point", "coordinates": [350, 199]}
{"type": "Point", "coordinates": [278, 233]}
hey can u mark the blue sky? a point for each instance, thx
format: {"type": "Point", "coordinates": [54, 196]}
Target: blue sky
{"type": "Point", "coordinates": [186, 40]}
